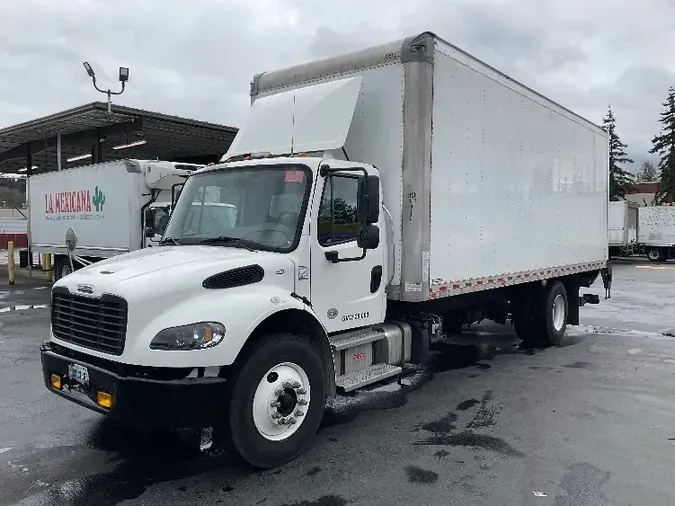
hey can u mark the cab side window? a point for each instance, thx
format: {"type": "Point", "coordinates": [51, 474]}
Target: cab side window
{"type": "Point", "coordinates": [337, 212]}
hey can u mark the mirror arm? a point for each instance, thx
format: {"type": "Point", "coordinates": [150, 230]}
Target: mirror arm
{"type": "Point", "coordinates": [332, 256]}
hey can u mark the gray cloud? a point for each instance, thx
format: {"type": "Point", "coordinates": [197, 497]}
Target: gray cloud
{"type": "Point", "coordinates": [196, 59]}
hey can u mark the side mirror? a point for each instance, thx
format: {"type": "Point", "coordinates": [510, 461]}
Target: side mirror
{"type": "Point", "coordinates": [368, 203]}
{"type": "Point", "coordinates": [149, 232]}
{"type": "Point", "coordinates": [369, 237]}
{"type": "Point", "coordinates": [175, 193]}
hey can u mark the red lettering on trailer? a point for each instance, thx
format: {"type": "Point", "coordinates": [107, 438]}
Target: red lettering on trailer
{"type": "Point", "coordinates": [77, 201]}
{"type": "Point", "coordinates": [358, 356]}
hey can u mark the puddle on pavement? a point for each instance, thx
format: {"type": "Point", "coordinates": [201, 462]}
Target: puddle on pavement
{"type": "Point", "coordinates": [140, 459]}
{"type": "Point", "coordinates": [23, 307]}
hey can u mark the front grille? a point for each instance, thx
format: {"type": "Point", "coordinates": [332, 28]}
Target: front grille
{"type": "Point", "coordinates": [96, 323]}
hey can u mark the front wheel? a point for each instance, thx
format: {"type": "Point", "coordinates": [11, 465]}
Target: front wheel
{"type": "Point", "coordinates": [276, 401]}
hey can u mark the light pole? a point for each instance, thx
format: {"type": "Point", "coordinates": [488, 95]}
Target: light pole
{"type": "Point", "coordinates": [123, 77]}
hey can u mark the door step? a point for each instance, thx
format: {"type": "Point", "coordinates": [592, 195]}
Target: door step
{"type": "Point", "coordinates": [356, 338]}
{"type": "Point", "coordinates": [358, 379]}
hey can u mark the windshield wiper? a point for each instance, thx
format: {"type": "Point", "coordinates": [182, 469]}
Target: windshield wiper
{"type": "Point", "coordinates": [169, 239]}
{"type": "Point", "coordinates": [237, 242]}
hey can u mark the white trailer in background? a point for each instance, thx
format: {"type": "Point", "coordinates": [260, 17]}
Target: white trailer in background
{"type": "Point", "coordinates": [656, 232]}
{"type": "Point", "coordinates": [379, 195]}
{"type": "Point", "coordinates": [111, 207]}
{"type": "Point", "coordinates": [623, 228]}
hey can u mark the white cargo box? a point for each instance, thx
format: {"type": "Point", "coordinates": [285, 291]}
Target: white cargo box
{"type": "Point", "coordinates": [102, 203]}
{"type": "Point", "coordinates": [656, 226]}
{"type": "Point", "coordinates": [488, 182]}
{"type": "Point", "coordinates": [623, 223]}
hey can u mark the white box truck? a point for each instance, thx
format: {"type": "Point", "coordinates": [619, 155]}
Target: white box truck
{"type": "Point", "coordinates": [623, 228]}
{"type": "Point", "coordinates": [110, 208]}
{"type": "Point", "coordinates": [656, 232]}
{"type": "Point", "coordinates": [378, 195]}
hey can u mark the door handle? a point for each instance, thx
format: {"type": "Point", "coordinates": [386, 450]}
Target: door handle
{"type": "Point", "coordinates": [375, 278]}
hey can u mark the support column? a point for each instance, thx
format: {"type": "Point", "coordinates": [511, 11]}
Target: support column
{"type": "Point", "coordinates": [29, 173]}
{"type": "Point", "coordinates": [58, 150]}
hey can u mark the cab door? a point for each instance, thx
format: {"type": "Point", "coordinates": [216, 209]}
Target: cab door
{"type": "Point", "coordinates": [350, 292]}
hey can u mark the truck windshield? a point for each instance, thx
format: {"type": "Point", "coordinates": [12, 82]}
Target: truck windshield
{"type": "Point", "coordinates": [259, 206]}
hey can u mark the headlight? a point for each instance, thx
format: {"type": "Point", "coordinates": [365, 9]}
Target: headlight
{"type": "Point", "coordinates": [196, 336]}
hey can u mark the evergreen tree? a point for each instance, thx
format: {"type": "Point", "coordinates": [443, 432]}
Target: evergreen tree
{"type": "Point", "coordinates": [647, 172]}
{"type": "Point", "coordinates": [664, 145]}
{"type": "Point", "coordinates": [620, 181]}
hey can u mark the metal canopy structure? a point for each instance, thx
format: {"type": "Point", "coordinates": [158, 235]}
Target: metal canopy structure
{"type": "Point", "coordinates": [91, 133]}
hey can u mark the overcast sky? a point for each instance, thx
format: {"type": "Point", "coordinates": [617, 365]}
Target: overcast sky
{"type": "Point", "coordinates": [196, 58]}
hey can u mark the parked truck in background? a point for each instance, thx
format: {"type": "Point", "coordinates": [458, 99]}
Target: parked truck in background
{"type": "Point", "coordinates": [623, 228]}
{"type": "Point", "coordinates": [656, 232]}
{"type": "Point", "coordinates": [109, 206]}
{"type": "Point", "coordinates": [379, 196]}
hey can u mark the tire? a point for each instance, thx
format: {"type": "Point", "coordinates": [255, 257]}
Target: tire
{"type": "Point", "coordinates": [655, 255]}
{"type": "Point", "coordinates": [251, 426]}
{"type": "Point", "coordinates": [540, 316]}
{"type": "Point", "coordinates": [524, 320]}
{"type": "Point", "coordinates": [62, 268]}
{"type": "Point", "coordinates": [553, 314]}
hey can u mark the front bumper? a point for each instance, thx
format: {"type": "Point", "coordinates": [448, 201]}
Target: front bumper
{"type": "Point", "coordinates": [140, 402]}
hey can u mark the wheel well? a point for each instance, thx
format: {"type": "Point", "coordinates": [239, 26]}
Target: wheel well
{"type": "Point", "coordinates": [300, 323]}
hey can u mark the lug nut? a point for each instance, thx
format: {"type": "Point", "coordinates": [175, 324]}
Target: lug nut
{"type": "Point", "coordinates": [291, 421]}
{"type": "Point", "coordinates": [302, 402]}
{"type": "Point", "coordinates": [275, 404]}
{"type": "Point", "coordinates": [276, 415]}
{"type": "Point", "coordinates": [295, 384]}
{"type": "Point", "coordinates": [302, 391]}
{"type": "Point", "coordinates": [299, 413]}
{"type": "Point", "coordinates": [283, 421]}
{"type": "Point", "coordinates": [278, 391]}
{"type": "Point", "coordinates": [286, 384]}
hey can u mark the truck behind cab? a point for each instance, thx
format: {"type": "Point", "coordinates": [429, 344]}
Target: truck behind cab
{"type": "Point", "coordinates": [656, 232]}
{"type": "Point", "coordinates": [112, 208]}
{"type": "Point", "coordinates": [377, 197]}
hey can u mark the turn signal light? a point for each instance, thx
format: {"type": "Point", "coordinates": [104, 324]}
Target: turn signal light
{"type": "Point", "coordinates": [56, 381]}
{"type": "Point", "coordinates": [104, 399]}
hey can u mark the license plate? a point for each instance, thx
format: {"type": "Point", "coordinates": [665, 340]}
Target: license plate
{"type": "Point", "coordinates": [78, 373]}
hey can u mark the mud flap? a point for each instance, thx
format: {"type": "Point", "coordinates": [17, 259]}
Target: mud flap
{"type": "Point", "coordinates": [606, 274]}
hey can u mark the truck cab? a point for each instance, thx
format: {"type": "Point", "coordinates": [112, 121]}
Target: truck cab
{"type": "Point", "coordinates": [242, 292]}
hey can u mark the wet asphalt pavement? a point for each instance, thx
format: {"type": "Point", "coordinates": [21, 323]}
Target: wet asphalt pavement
{"type": "Point", "coordinates": [589, 423]}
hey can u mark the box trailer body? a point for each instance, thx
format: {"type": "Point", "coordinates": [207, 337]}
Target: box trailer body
{"type": "Point", "coordinates": [371, 201]}
{"type": "Point", "coordinates": [104, 204]}
{"type": "Point", "coordinates": [656, 232]}
{"type": "Point", "coordinates": [623, 227]}
{"type": "Point", "coordinates": [486, 180]}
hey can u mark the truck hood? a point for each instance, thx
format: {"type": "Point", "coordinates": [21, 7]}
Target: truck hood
{"type": "Point", "coordinates": [141, 273]}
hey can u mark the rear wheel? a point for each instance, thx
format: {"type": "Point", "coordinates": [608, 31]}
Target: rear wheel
{"type": "Point", "coordinates": [275, 402]}
{"type": "Point", "coordinates": [540, 316]}
{"type": "Point", "coordinates": [655, 255]}
{"type": "Point", "coordinates": [553, 313]}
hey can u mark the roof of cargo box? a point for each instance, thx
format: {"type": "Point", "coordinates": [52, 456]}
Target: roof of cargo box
{"type": "Point", "coordinates": [125, 132]}
{"type": "Point", "coordinates": [410, 49]}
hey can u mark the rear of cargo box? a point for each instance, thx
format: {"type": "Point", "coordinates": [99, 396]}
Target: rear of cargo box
{"type": "Point", "coordinates": [617, 222]}
{"type": "Point", "coordinates": [656, 226]}
{"type": "Point", "coordinates": [518, 184]}
{"type": "Point", "coordinates": [99, 202]}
